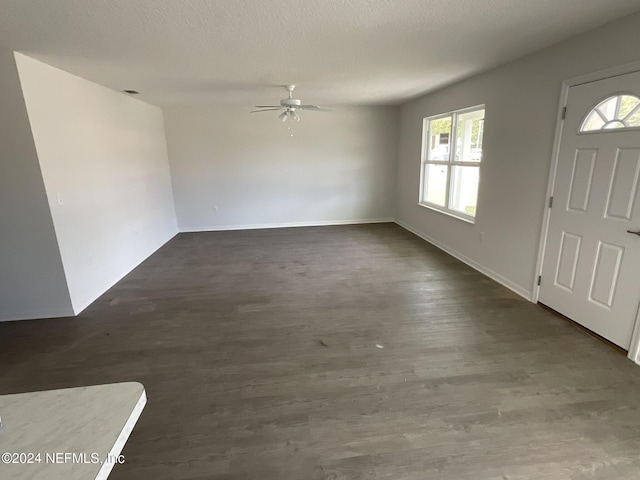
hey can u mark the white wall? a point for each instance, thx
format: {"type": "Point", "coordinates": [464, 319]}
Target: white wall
{"type": "Point", "coordinates": [339, 167]}
{"type": "Point", "coordinates": [105, 168]}
{"type": "Point", "coordinates": [521, 109]}
{"type": "Point", "coordinates": [32, 281]}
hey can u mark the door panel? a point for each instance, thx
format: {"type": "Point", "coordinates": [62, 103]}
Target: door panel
{"type": "Point", "coordinates": [580, 189]}
{"type": "Point", "coordinates": [624, 185]}
{"type": "Point", "coordinates": [590, 265]}
{"type": "Point", "coordinates": [568, 261]}
{"type": "Point", "coordinates": [605, 274]}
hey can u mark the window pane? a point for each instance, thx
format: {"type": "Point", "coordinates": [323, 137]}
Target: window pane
{"type": "Point", "coordinates": [436, 184]}
{"type": "Point", "coordinates": [439, 136]}
{"type": "Point", "coordinates": [608, 108]}
{"type": "Point", "coordinates": [634, 119]}
{"type": "Point", "coordinates": [627, 104]}
{"type": "Point", "coordinates": [464, 189]}
{"type": "Point", "coordinates": [593, 122]}
{"type": "Point", "coordinates": [469, 136]}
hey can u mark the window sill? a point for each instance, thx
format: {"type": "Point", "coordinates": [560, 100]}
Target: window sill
{"type": "Point", "coordinates": [450, 213]}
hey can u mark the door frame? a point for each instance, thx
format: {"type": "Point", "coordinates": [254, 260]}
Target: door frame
{"type": "Point", "coordinates": [634, 349]}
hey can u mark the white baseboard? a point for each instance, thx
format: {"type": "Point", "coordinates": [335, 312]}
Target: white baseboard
{"type": "Point", "coordinates": [523, 292]}
{"type": "Point", "coordinates": [79, 306]}
{"type": "Point", "coordinates": [35, 315]}
{"type": "Point", "coordinates": [257, 226]}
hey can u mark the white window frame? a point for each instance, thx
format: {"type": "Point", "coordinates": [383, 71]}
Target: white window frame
{"type": "Point", "coordinates": [451, 163]}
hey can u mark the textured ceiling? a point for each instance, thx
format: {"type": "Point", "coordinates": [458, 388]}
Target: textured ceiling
{"type": "Point", "coordinates": [337, 51]}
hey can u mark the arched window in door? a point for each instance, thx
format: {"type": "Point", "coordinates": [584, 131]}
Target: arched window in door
{"type": "Point", "coordinates": [616, 112]}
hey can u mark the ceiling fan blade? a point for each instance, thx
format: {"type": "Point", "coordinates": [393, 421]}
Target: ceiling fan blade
{"type": "Point", "coordinates": [265, 110]}
{"type": "Point", "coordinates": [268, 106]}
{"type": "Point", "coordinates": [315, 107]}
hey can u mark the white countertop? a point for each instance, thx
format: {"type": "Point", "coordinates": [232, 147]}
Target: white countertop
{"type": "Point", "coordinates": [91, 422]}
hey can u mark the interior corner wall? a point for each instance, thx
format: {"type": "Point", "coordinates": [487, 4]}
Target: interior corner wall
{"type": "Point", "coordinates": [235, 170]}
{"type": "Point", "coordinates": [32, 279]}
{"type": "Point", "coordinates": [522, 100]}
{"type": "Point", "coordinates": [106, 173]}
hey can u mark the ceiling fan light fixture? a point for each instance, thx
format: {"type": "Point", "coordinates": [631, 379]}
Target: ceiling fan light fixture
{"type": "Point", "coordinates": [289, 106]}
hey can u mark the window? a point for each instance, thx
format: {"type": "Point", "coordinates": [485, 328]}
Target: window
{"type": "Point", "coordinates": [451, 156]}
{"type": "Point", "coordinates": [619, 111]}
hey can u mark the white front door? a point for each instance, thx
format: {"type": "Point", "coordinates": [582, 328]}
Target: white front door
{"type": "Point", "coordinates": [591, 266]}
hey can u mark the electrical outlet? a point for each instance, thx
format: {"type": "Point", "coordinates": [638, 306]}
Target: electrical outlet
{"type": "Point", "coordinates": [481, 237]}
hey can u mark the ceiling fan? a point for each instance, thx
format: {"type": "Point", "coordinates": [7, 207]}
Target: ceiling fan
{"type": "Point", "coordinates": [289, 106]}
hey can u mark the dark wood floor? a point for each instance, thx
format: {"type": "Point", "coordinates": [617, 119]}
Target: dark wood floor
{"type": "Point", "coordinates": [258, 350]}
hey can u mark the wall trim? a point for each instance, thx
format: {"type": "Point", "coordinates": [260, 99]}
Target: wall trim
{"type": "Point", "coordinates": [257, 226]}
{"type": "Point", "coordinates": [546, 217]}
{"type": "Point", "coordinates": [523, 292]}
{"type": "Point", "coordinates": [602, 74]}
{"type": "Point", "coordinates": [36, 315]}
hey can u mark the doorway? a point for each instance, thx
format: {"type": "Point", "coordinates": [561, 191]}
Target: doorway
{"type": "Point", "coordinates": [591, 262]}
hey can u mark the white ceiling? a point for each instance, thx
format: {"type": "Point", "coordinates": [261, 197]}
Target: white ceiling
{"type": "Point", "coordinates": [337, 51]}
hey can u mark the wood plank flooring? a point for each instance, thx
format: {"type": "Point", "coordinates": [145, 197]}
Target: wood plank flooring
{"type": "Point", "coordinates": [259, 352]}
